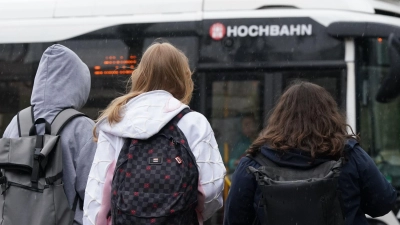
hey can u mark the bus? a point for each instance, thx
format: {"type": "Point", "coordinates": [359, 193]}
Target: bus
{"type": "Point", "coordinates": [244, 53]}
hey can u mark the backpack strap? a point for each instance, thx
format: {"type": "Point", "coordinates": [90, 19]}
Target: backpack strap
{"type": "Point", "coordinates": [62, 119]}
{"type": "Point", "coordinates": [175, 133]}
{"type": "Point", "coordinates": [178, 133]}
{"type": "Point", "coordinates": [78, 202]}
{"type": "Point", "coordinates": [261, 159]}
{"type": "Point", "coordinates": [178, 117]}
{"type": "Point", "coordinates": [352, 143]}
{"type": "Point", "coordinates": [58, 124]}
{"type": "Point", "coordinates": [25, 121]}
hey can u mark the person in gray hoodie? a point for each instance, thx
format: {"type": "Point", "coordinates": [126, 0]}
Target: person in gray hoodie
{"type": "Point", "coordinates": [63, 81]}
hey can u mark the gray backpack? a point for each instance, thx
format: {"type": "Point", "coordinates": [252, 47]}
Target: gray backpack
{"type": "Point", "coordinates": [299, 196]}
{"type": "Point", "coordinates": [32, 191]}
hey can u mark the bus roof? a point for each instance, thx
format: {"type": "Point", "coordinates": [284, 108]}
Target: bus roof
{"type": "Point", "coordinates": [29, 9]}
{"type": "Point", "coordinates": [52, 25]}
{"type": "Point", "coordinates": [366, 6]}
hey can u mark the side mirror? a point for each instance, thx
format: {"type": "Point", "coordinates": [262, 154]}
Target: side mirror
{"type": "Point", "coordinates": [390, 87]}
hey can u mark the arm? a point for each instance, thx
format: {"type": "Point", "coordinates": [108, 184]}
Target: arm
{"type": "Point", "coordinates": [84, 162]}
{"type": "Point", "coordinates": [239, 206]}
{"type": "Point", "coordinates": [12, 129]}
{"type": "Point", "coordinates": [98, 190]}
{"type": "Point", "coordinates": [202, 142]}
{"type": "Point", "coordinates": [377, 194]}
{"type": "Point", "coordinates": [211, 180]}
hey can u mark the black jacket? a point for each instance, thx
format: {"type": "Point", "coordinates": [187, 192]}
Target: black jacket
{"type": "Point", "coordinates": [364, 189]}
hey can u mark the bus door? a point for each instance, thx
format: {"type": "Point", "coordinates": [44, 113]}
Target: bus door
{"type": "Point", "coordinates": [378, 116]}
{"type": "Point", "coordinates": [233, 101]}
{"type": "Point", "coordinates": [237, 103]}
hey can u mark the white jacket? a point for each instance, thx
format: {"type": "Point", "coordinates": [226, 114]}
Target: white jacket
{"type": "Point", "coordinates": [143, 117]}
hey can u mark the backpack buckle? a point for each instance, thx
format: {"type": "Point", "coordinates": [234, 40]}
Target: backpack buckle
{"type": "Point", "coordinates": [3, 180]}
{"type": "Point", "coordinates": [3, 184]}
{"type": "Point", "coordinates": [37, 153]}
{"type": "Point", "coordinates": [36, 167]}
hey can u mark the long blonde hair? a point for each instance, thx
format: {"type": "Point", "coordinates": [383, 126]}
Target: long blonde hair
{"type": "Point", "coordinates": [162, 67]}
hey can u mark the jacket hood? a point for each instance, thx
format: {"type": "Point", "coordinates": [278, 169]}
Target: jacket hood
{"type": "Point", "coordinates": [144, 115]}
{"type": "Point", "coordinates": [292, 158]}
{"type": "Point", "coordinates": [62, 81]}
{"type": "Point", "coordinates": [301, 159]}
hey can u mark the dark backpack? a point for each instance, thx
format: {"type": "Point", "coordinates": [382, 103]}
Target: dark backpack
{"type": "Point", "coordinates": [299, 196]}
{"type": "Point", "coordinates": [155, 180]}
{"type": "Point", "coordinates": [31, 173]}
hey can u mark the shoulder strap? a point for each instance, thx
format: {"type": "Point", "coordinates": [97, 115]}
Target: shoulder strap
{"type": "Point", "coordinates": [178, 117]}
{"type": "Point", "coordinates": [175, 133]}
{"type": "Point", "coordinates": [25, 121]}
{"type": "Point", "coordinates": [261, 159]}
{"type": "Point", "coordinates": [62, 119]}
{"type": "Point", "coordinates": [352, 143]}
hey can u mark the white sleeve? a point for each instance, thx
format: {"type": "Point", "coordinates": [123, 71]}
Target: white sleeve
{"type": "Point", "coordinates": [104, 156]}
{"type": "Point", "coordinates": [200, 137]}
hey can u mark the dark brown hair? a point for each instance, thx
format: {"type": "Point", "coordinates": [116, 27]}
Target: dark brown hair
{"type": "Point", "coordinates": [307, 118]}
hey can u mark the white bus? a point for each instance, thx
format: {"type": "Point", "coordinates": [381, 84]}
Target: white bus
{"type": "Point", "coordinates": [244, 53]}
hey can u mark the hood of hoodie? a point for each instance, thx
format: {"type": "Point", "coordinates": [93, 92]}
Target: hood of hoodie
{"type": "Point", "coordinates": [292, 158]}
{"type": "Point", "coordinates": [62, 81]}
{"type": "Point", "coordinates": [144, 115]}
{"type": "Point", "coordinates": [302, 159]}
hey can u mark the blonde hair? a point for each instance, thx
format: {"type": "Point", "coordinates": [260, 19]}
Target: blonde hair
{"type": "Point", "coordinates": [162, 67]}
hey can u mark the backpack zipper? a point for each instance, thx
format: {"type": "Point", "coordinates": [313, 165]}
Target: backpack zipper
{"type": "Point", "coordinates": [188, 150]}
{"type": "Point", "coordinates": [173, 141]}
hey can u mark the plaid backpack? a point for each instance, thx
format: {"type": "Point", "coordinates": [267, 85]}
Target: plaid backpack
{"type": "Point", "coordinates": [31, 173]}
{"type": "Point", "coordinates": [155, 180]}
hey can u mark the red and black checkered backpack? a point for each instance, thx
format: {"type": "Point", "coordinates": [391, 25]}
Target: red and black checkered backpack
{"type": "Point", "coordinates": [155, 180]}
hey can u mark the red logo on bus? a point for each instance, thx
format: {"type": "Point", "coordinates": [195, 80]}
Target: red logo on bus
{"type": "Point", "coordinates": [217, 31]}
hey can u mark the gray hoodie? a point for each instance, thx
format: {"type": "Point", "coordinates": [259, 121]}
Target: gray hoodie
{"type": "Point", "coordinates": [63, 81]}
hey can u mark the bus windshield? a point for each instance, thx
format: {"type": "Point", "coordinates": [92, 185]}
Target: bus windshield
{"type": "Point", "coordinates": [378, 123]}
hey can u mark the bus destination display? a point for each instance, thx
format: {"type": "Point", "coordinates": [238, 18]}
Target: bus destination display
{"type": "Point", "coordinates": [116, 65]}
